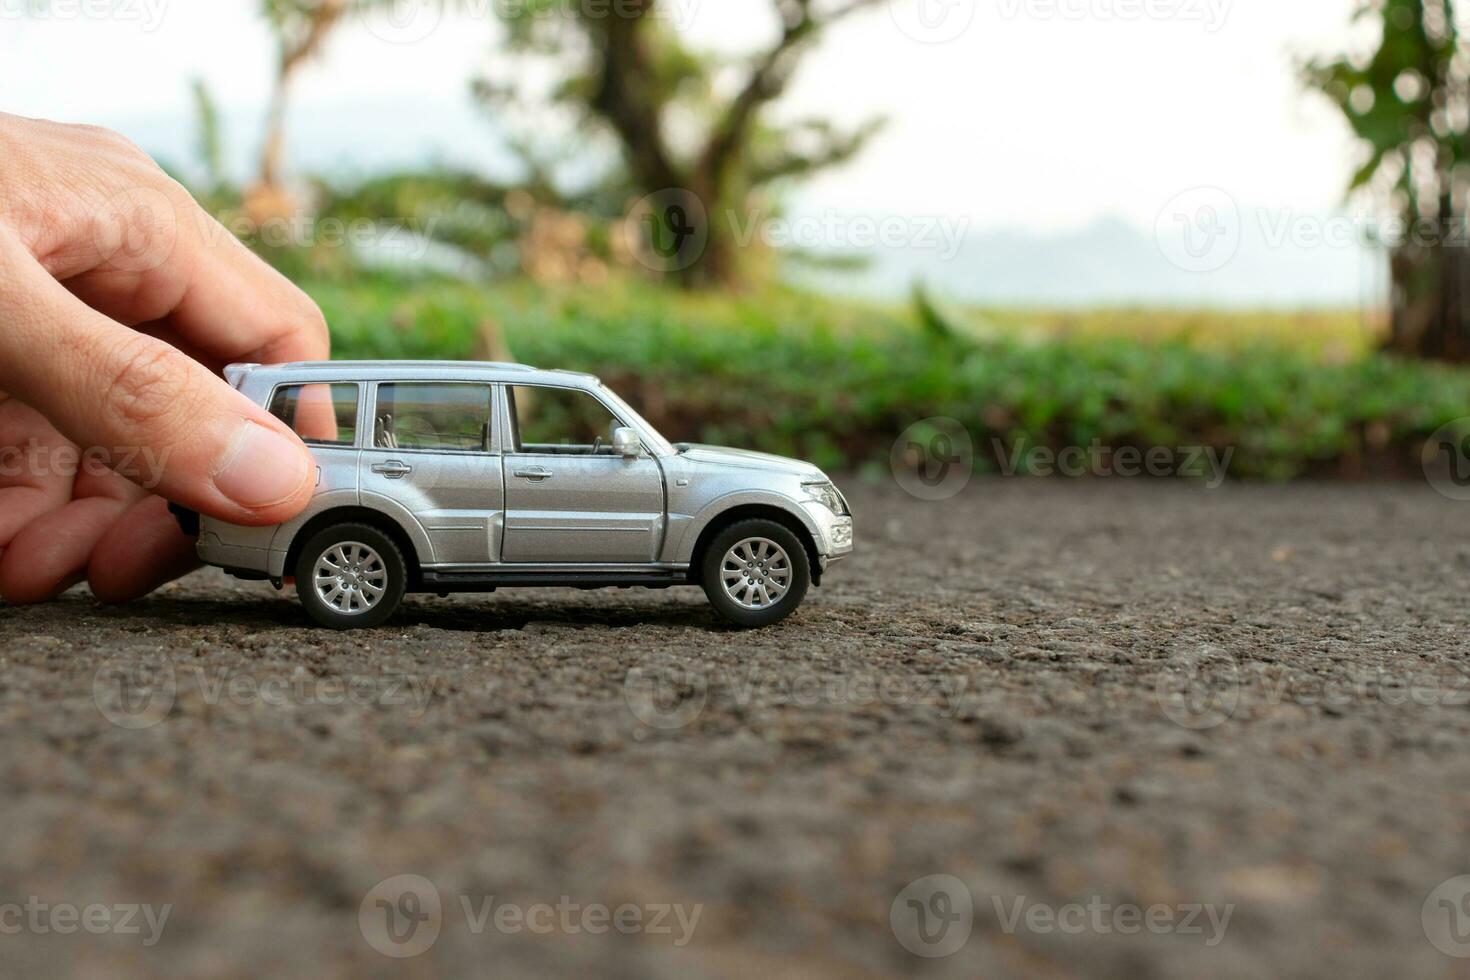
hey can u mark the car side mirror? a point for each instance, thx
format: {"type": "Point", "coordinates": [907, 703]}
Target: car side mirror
{"type": "Point", "coordinates": [626, 442]}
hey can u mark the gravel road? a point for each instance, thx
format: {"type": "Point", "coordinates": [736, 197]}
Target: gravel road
{"type": "Point", "coordinates": [1136, 729]}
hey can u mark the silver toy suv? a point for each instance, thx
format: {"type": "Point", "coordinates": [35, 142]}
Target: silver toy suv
{"type": "Point", "coordinates": [443, 477]}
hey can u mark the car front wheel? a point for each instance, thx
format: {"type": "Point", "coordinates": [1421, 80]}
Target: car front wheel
{"type": "Point", "coordinates": [756, 573]}
{"type": "Point", "coordinates": [351, 576]}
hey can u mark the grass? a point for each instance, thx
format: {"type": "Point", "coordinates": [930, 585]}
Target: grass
{"type": "Point", "coordinates": [836, 382]}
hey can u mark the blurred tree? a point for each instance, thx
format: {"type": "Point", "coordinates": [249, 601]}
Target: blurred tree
{"type": "Point", "coordinates": [685, 134]}
{"type": "Point", "coordinates": [301, 28]}
{"type": "Point", "coordinates": [215, 192]}
{"type": "Point", "coordinates": [1409, 103]}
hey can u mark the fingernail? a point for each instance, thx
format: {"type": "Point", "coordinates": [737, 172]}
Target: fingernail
{"type": "Point", "coordinates": [261, 468]}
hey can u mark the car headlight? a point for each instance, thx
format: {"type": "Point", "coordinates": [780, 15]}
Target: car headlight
{"type": "Point", "coordinates": [826, 494]}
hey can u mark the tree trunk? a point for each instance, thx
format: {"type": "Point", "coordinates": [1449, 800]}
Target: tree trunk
{"type": "Point", "coordinates": [273, 148]}
{"type": "Point", "coordinates": [1431, 301]}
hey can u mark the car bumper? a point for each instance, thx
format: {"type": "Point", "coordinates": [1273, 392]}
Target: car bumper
{"type": "Point", "coordinates": [213, 551]}
{"type": "Point", "coordinates": [834, 532]}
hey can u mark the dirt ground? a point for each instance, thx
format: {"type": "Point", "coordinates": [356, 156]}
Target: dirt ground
{"type": "Point", "coordinates": [1143, 730]}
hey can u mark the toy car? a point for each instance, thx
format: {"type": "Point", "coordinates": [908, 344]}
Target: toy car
{"type": "Point", "coordinates": [469, 477]}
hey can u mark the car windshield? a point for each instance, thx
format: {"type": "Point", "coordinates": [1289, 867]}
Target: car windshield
{"type": "Point", "coordinates": [660, 445]}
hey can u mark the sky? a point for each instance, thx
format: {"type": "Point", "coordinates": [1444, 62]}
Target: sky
{"type": "Point", "coordinates": [1073, 122]}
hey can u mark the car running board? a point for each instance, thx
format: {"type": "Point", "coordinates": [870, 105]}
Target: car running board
{"type": "Point", "coordinates": [443, 582]}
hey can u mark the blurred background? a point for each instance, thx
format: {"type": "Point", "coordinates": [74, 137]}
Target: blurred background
{"type": "Point", "coordinates": [809, 226]}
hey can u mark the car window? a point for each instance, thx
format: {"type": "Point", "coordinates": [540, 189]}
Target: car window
{"type": "Point", "coordinates": [559, 420]}
{"type": "Point", "coordinates": [321, 414]}
{"type": "Point", "coordinates": [432, 417]}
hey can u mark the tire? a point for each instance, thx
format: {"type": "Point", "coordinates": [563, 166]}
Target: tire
{"type": "Point", "coordinates": [371, 561]}
{"type": "Point", "coordinates": [736, 556]}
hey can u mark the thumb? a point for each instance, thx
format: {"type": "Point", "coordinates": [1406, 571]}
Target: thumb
{"type": "Point", "coordinates": [122, 395]}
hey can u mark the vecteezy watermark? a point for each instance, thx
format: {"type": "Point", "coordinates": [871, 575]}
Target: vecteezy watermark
{"type": "Point", "coordinates": [403, 916]}
{"type": "Point", "coordinates": [1446, 917]}
{"type": "Point", "coordinates": [1198, 697]}
{"type": "Point", "coordinates": [136, 230]}
{"type": "Point", "coordinates": [147, 14]}
{"type": "Point", "coordinates": [408, 238]}
{"type": "Point", "coordinates": [672, 697]}
{"type": "Point", "coordinates": [1211, 14]}
{"type": "Point", "coordinates": [933, 459]}
{"type": "Point", "coordinates": [667, 231]}
{"type": "Point", "coordinates": [670, 230]}
{"type": "Point", "coordinates": [36, 460]}
{"type": "Point", "coordinates": [39, 917]}
{"type": "Point", "coordinates": [1099, 916]}
{"type": "Point", "coordinates": [411, 21]}
{"type": "Point", "coordinates": [933, 916]}
{"type": "Point", "coordinates": [138, 692]}
{"type": "Point", "coordinates": [1208, 463]}
{"type": "Point", "coordinates": [666, 697]}
{"type": "Point", "coordinates": [933, 21]}
{"type": "Point", "coordinates": [942, 234]}
{"type": "Point", "coordinates": [1446, 459]}
{"type": "Point", "coordinates": [1199, 230]}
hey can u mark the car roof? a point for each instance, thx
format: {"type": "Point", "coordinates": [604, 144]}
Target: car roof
{"type": "Point", "coordinates": [489, 371]}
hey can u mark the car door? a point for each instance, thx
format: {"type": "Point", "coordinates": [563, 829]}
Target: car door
{"type": "Point", "coordinates": [568, 497]}
{"type": "Point", "coordinates": [430, 461]}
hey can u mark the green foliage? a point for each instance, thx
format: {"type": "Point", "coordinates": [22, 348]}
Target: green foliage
{"type": "Point", "coordinates": [1397, 101]}
{"type": "Point", "coordinates": [837, 383]}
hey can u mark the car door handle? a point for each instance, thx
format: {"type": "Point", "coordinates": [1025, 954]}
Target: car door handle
{"type": "Point", "coordinates": [393, 469]}
{"type": "Point", "coordinates": [535, 474]}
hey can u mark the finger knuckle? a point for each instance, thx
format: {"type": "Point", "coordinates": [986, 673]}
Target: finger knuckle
{"type": "Point", "coordinates": [151, 382]}
{"type": "Point", "coordinates": [311, 323]}
{"type": "Point", "coordinates": [100, 137]}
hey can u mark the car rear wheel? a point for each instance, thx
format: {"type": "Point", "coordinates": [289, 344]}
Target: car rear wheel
{"type": "Point", "coordinates": [756, 573]}
{"type": "Point", "coordinates": [351, 576]}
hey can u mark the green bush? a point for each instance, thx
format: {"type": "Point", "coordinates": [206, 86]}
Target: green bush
{"type": "Point", "coordinates": [836, 382]}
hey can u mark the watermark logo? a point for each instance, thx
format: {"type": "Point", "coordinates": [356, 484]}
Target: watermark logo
{"type": "Point", "coordinates": [41, 918]}
{"type": "Point", "coordinates": [1446, 459]}
{"type": "Point", "coordinates": [933, 916]}
{"type": "Point", "coordinates": [401, 916]}
{"type": "Point", "coordinates": [138, 692]}
{"type": "Point", "coordinates": [38, 460]}
{"type": "Point", "coordinates": [135, 692]}
{"type": "Point", "coordinates": [1211, 14]}
{"type": "Point", "coordinates": [943, 235]}
{"type": "Point", "coordinates": [1198, 700]}
{"type": "Point", "coordinates": [148, 14]}
{"type": "Point", "coordinates": [933, 459]}
{"type": "Point", "coordinates": [933, 21]}
{"type": "Point", "coordinates": [1195, 699]}
{"type": "Point", "coordinates": [401, 21]}
{"type": "Point", "coordinates": [665, 698]}
{"type": "Point", "coordinates": [135, 231]}
{"type": "Point", "coordinates": [1199, 230]}
{"type": "Point", "coordinates": [1101, 917]}
{"type": "Point", "coordinates": [668, 231]}
{"type": "Point", "coordinates": [1207, 463]}
{"type": "Point", "coordinates": [1446, 917]}
{"type": "Point", "coordinates": [672, 698]}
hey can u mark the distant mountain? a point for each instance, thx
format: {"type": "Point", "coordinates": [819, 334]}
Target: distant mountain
{"type": "Point", "coordinates": [1111, 262]}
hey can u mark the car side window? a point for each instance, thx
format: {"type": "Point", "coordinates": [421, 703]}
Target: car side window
{"type": "Point", "coordinates": [321, 414]}
{"type": "Point", "coordinates": [561, 421]}
{"type": "Point", "coordinates": [430, 417]}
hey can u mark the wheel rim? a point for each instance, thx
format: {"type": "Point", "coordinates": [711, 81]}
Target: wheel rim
{"type": "Point", "coordinates": [351, 578]}
{"type": "Point", "coordinates": [756, 573]}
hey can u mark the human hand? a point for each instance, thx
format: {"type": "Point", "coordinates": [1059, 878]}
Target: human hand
{"type": "Point", "coordinates": [120, 301]}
